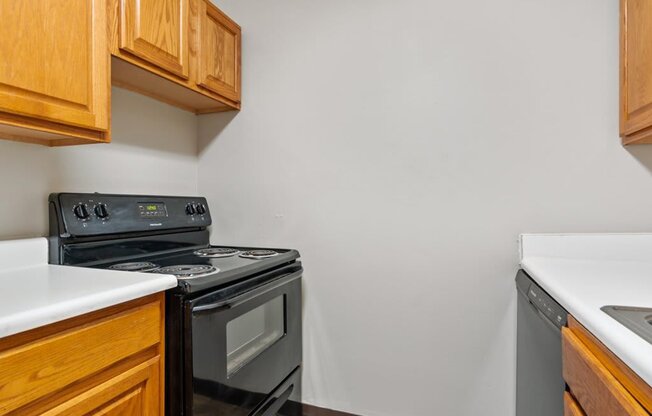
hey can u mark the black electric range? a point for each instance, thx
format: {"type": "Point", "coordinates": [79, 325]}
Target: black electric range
{"type": "Point", "coordinates": [233, 323]}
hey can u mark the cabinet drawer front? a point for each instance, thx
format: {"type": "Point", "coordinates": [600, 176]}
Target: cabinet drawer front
{"type": "Point", "coordinates": [45, 366]}
{"type": "Point", "coordinates": [571, 407]}
{"type": "Point", "coordinates": [134, 392]}
{"type": "Point", "coordinates": [595, 388]}
{"type": "Point", "coordinates": [54, 61]}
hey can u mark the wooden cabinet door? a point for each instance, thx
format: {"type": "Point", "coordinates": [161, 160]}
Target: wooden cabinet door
{"type": "Point", "coordinates": [55, 362]}
{"type": "Point", "coordinates": [134, 393]}
{"type": "Point", "coordinates": [636, 71]}
{"type": "Point", "coordinates": [597, 391]}
{"type": "Point", "coordinates": [157, 32]}
{"type": "Point", "coordinates": [219, 52]}
{"type": "Point", "coordinates": [54, 61]}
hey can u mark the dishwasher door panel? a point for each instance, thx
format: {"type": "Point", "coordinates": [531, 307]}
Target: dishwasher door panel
{"type": "Point", "coordinates": [539, 383]}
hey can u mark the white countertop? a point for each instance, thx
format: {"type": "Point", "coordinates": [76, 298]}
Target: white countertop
{"type": "Point", "coordinates": [36, 293]}
{"type": "Point", "coordinates": [585, 272]}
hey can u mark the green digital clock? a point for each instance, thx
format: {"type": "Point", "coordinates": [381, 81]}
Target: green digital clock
{"type": "Point", "coordinates": [152, 210]}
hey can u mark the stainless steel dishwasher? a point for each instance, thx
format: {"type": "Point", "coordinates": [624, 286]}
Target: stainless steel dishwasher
{"type": "Point", "coordinates": [539, 383]}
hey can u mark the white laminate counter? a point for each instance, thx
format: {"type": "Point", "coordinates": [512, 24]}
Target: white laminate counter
{"type": "Point", "coordinates": [34, 293]}
{"type": "Point", "coordinates": [585, 272]}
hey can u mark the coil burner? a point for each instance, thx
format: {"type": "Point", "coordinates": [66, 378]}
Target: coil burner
{"type": "Point", "coordinates": [188, 271]}
{"type": "Point", "coordinates": [216, 252]}
{"type": "Point", "coordinates": [135, 266]}
{"type": "Point", "coordinates": [258, 254]}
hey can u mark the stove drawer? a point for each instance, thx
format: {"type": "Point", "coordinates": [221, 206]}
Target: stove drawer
{"type": "Point", "coordinates": [42, 368]}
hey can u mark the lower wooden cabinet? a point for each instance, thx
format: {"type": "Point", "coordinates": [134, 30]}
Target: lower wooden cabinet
{"type": "Point", "coordinates": [599, 383]}
{"type": "Point", "coordinates": [108, 362]}
{"type": "Point", "coordinates": [134, 392]}
{"type": "Point", "coordinates": [571, 407]}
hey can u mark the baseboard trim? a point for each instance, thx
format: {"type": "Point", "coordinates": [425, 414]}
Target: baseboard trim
{"type": "Point", "coordinates": [309, 410]}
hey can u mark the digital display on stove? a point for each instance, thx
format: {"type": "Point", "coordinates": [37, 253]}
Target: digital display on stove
{"type": "Point", "coordinates": [152, 210]}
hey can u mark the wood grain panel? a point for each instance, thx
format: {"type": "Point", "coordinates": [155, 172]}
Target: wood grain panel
{"type": "Point", "coordinates": [156, 31]}
{"type": "Point", "coordinates": [640, 137]}
{"type": "Point", "coordinates": [595, 388]}
{"type": "Point", "coordinates": [33, 130]}
{"type": "Point", "coordinates": [571, 407]}
{"type": "Point", "coordinates": [219, 52]}
{"type": "Point", "coordinates": [635, 68]}
{"type": "Point", "coordinates": [54, 62]}
{"type": "Point", "coordinates": [135, 78]}
{"type": "Point", "coordinates": [36, 369]}
{"type": "Point", "coordinates": [134, 392]}
{"type": "Point", "coordinates": [140, 75]}
{"type": "Point", "coordinates": [641, 391]}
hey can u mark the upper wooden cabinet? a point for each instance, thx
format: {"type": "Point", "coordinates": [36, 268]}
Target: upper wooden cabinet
{"type": "Point", "coordinates": [183, 52]}
{"type": "Point", "coordinates": [56, 67]}
{"type": "Point", "coordinates": [636, 71]}
{"type": "Point", "coordinates": [54, 73]}
{"type": "Point", "coordinates": [219, 52]}
{"type": "Point", "coordinates": [156, 31]}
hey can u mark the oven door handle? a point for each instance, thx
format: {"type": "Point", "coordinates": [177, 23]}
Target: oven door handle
{"type": "Point", "coordinates": [245, 297]}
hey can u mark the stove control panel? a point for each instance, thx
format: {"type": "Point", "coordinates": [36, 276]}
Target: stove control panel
{"type": "Point", "coordinates": [152, 210]}
{"type": "Point", "coordinates": [99, 214]}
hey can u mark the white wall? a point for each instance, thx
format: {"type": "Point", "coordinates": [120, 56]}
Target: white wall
{"type": "Point", "coordinates": [154, 151]}
{"type": "Point", "coordinates": [402, 146]}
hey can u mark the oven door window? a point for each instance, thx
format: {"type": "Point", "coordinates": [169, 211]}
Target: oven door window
{"type": "Point", "coordinates": [248, 335]}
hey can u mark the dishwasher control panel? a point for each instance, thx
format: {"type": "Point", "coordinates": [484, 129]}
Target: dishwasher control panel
{"type": "Point", "coordinates": [543, 302]}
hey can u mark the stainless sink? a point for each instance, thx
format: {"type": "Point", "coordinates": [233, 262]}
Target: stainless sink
{"type": "Point", "coordinates": [638, 320]}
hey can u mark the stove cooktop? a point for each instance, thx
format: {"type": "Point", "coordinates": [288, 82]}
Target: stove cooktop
{"type": "Point", "coordinates": [153, 234]}
{"type": "Point", "coordinates": [198, 269]}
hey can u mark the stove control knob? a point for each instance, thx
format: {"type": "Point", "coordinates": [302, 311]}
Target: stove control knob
{"type": "Point", "coordinates": [201, 209]}
{"type": "Point", "coordinates": [101, 211]}
{"type": "Point", "coordinates": [190, 209]}
{"type": "Point", "coordinates": [81, 211]}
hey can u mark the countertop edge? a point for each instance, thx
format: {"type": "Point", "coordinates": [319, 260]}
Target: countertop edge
{"type": "Point", "coordinates": [50, 314]}
{"type": "Point", "coordinates": [622, 342]}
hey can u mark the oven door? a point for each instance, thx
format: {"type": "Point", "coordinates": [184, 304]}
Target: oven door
{"type": "Point", "coordinates": [243, 347]}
